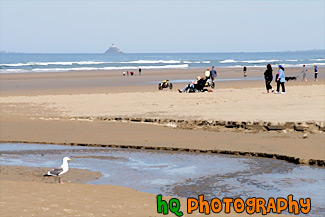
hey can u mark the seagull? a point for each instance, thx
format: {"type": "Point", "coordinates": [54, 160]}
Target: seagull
{"type": "Point", "coordinates": [60, 170]}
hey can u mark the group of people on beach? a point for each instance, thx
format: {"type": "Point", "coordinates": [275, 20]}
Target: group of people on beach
{"type": "Point", "coordinates": [304, 73]}
{"type": "Point", "coordinates": [131, 73]}
{"type": "Point", "coordinates": [210, 75]}
{"type": "Point", "coordinates": [280, 78]}
{"type": "Point", "coordinates": [201, 82]}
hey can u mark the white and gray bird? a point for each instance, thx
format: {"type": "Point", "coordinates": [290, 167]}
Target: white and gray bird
{"type": "Point", "coordinates": [60, 170]}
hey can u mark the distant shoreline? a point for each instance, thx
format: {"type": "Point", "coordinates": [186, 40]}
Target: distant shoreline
{"type": "Point", "coordinates": [210, 52]}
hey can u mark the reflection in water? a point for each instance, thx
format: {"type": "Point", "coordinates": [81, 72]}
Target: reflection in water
{"type": "Point", "coordinates": [181, 174]}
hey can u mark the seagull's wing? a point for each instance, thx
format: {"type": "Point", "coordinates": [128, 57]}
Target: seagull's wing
{"type": "Point", "coordinates": [55, 171]}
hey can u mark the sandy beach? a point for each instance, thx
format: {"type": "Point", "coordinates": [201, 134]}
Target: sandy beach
{"type": "Point", "coordinates": [24, 192]}
{"type": "Point", "coordinates": [103, 108]}
{"type": "Point", "coordinates": [19, 198]}
{"type": "Point", "coordinates": [162, 108]}
{"type": "Point", "coordinates": [136, 106]}
{"type": "Point", "coordinates": [79, 82]}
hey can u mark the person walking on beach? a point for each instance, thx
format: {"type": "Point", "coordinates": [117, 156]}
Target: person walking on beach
{"type": "Point", "coordinates": [304, 73]}
{"type": "Point", "coordinates": [207, 74]}
{"type": "Point", "coordinates": [127, 73]}
{"type": "Point", "coordinates": [245, 70]}
{"type": "Point", "coordinates": [139, 71]}
{"type": "Point", "coordinates": [213, 73]}
{"type": "Point", "coordinates": [268, 76]}
{"type": "Point", "coordinates": [316, 72]}
{"type": "Point", "coordinates": [281, 80]}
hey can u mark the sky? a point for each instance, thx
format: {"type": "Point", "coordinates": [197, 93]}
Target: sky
{"type": "Point", "coordinates": [161, 26]}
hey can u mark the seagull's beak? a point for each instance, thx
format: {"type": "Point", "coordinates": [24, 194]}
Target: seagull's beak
{"type": "Point", "coordinates": [69, 160]}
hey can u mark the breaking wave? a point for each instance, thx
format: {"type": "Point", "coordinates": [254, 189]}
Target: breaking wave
{"type": "Point", "coordinates": [179, 66]}
{"type": "Point", "coordinates": [228, 61]}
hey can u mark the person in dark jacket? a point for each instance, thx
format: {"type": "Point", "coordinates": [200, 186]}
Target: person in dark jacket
{"type": "Point", "coordinates": [245, 71]}
{"type": "Point", "coordinates": [268, 76]}
{"type": "Point", "coordinates": [200, 84]}
{"type": "Point", "coordinates": [316, 72]}
{"type": "Point", "coordinates": [213, 73]}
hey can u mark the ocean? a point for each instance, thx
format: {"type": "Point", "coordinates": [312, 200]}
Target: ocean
{"type": "Point", "coordinates": [55, 62]}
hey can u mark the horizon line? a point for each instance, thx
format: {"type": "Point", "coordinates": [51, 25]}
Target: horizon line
{"type": "Point", "coordinates": [17, 52]}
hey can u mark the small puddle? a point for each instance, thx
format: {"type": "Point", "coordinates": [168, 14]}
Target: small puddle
{"type": "Point", "coordinates": [181, 174]}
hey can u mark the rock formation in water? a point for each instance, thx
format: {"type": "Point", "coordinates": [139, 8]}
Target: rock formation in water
{"type": "Point", "coordinates": [113, 49]}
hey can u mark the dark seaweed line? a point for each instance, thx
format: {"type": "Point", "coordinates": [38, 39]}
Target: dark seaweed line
{"type": "Point", "coordinates": [312, 162]}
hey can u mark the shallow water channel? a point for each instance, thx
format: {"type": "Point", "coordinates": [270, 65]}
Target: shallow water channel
{"type": "Point", "coordinates": [181, 174]}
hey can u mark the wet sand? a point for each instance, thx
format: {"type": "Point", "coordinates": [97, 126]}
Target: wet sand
{"type": "Point", "coordinates": [40, 199]}
{"type": "Point", "coordinates": [35, 174]}
{"type": "Point", "coordinates": [77, 82]}
{"type": "Point", "coordinates": [119, 134]}
{"type": "Point", "coordinates": [22, 194]}
{"type": "Point", "coordinates": [39, 107]}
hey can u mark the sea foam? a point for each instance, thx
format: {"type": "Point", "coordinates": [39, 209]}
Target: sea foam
{"type": "Point", "coordinates": [179, 66]}
{"type": "Point", "coordinates": [259, 61]}
{"type": "Point", "coordinates": [228, 61]}
{"type": "Point", "coordinates": [153, 61]}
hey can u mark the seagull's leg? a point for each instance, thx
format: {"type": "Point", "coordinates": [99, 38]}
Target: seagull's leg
{"type": "Point", "coordinates": [60, 180]}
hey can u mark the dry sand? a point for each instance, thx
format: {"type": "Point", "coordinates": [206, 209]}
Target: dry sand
{"type": "Point", "coordinates": [37, 108]}
{"type": "Point", "coordinates": [301, 103]}
{"type": "Point", "coordinates": [63, 95]}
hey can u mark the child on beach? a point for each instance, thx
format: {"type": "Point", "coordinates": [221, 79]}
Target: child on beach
{"type": "Point", "coordinates": [304, 74]}
{"type": "Point", "coordinates": [316, 72]}
{"type": "Point", "coordinates": [281, 80]}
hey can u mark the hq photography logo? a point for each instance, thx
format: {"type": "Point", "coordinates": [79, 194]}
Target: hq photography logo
{"type": "Point", "coordinates": [226, 205]}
